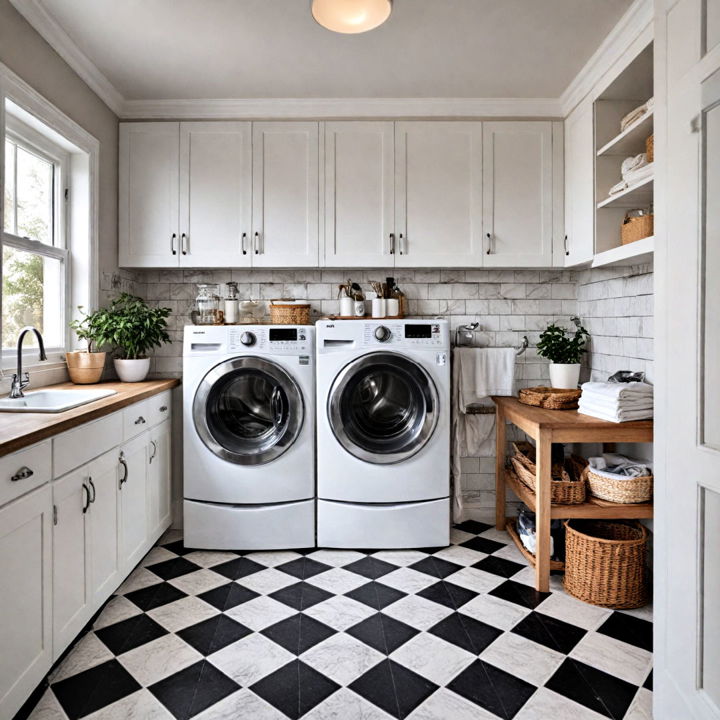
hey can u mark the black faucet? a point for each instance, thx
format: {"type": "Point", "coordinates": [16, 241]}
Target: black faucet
{"type": "Point", "coordinates": [20, 382]}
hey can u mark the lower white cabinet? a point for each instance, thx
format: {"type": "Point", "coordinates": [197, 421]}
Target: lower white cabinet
{"type": "Point", "coordinates": [158, 478]}
{"type": "Point", "coordinates": [132, 484]}
{"type": "Point", "coordinates": [25, 597]}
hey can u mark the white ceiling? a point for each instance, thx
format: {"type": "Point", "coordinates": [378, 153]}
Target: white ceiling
{"type": "Point", "coordinates": [202, 49]}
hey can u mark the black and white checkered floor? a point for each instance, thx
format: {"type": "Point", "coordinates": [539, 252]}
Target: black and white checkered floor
{"type": "Point", "coordinates": [454, 633]}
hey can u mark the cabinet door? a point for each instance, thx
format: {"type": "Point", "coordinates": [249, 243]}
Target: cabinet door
{"type": "Point", "coordinates": [102, 519]}
{"type": "Point", "coordinates": [285, 194]}
{"type": "Point", "coordinates": [25, 597]}
{"type": "Point", "coordinates": [72, 593]}
{"type": "Point", "coordinates": [132, 483]}
{"type": "Point", "coordinates": [517, 193]}
{"type": "Point", "coordinates": [148, 195]}
{"type": "Point", "coordinates": [579, 186]}
{"type": "Point", "coordinates": [159, 463]}
{"type": "Point", "coordinates": [215, 194]}
{"type": "Point", "coordinates": [438, 193]}
{"type": "Point", "coordinates": [359, 194]}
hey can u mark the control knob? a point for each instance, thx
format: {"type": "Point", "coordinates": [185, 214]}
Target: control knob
{"type": "Point", "coordinates": [248, 339]}
{"type": "Point", "coordinates": [382, 334]}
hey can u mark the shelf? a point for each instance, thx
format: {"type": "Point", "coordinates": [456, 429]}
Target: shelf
{"type": "Point", "coordinates": [591, 508]}
{"type": "Point", "coordinates": [628, 141]}
{"type": "Point", "coordinates": [513, 533]}
{"type": "Point", "coordinates": [636, 196]}
{"type": "Point", "coordinates": [635, 253]}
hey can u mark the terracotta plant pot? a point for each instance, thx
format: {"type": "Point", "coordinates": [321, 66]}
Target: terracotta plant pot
{"type": "Point", "coordinates": [132, 370]}
{"type": "Point", "coordinates": [85, 368]}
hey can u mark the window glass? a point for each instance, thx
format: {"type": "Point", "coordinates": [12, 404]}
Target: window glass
{"type": "Point", "coordinates": [9, 197]}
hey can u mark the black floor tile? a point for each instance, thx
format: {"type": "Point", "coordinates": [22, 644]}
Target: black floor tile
{"type": "Point", "coordinates": [376, 595]}
{"type": "Point", "coordinates": [445, 593]}
{"type": "Point", "coordinates": [298, 633]}
{"type": "Point", "coordinates": [499, 566]}
{"type": "Point", "coordinates": [228, 596]}
{"type": "Point", "coordinates": [370, 567]}
{"type": "Point", "coordinates": [484, 545]}
{"type": "Point", "coordinates": [382, 632]}
{"type": "Point", "coordinates": [473, 526]}
{"type": "Point", "coordinates": [95, 688]}
{"type": "Point", "coordinates": [436, 567]}
{"type": "Point", "coordinates": [519, 594]}
{"type": "Point", "coordinates": [547, 631]}
{"type": "Point", "coordinates": [178, 547]}
{"type": "Point", "coordinates": [466, 632]}
{"type": "Point", "coordinates": [629, 629]}
{"type": "Point", "coordinates": [648, 684]}
{"type": "Point", "coordinates": [492, 689]}
{"type": "Point", "coordinates": [595, 689]}
{"type": "Point", "coordinates": [301, 595]}
{"type": "Point", "coordinates": [193, 689]}
{"type": "Point", "coordinates": [131, 633]}
{"type": "Point", "coordinates": [303, 568]}
{"type": "Point", "coordinates": [238, 568]}
{"type": "Point", "coordinates": [214, 634]}
{"type": "Point", "coordinates": [169, 569]}
{"type": "Point", "coordinates": [155, 595]}
{"type": "Point", "coordinates": [411, 689]}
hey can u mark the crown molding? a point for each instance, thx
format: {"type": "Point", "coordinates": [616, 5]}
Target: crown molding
{"type": "Point", "coordinates": [636, 20]}
{"type": "Point", "coordinates": [65, 47]}
{"type": "Point", "coordinates": [285, 108]}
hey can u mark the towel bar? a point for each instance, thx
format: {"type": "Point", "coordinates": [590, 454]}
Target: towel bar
{"type": "Point", "coordinates": [479, 410]}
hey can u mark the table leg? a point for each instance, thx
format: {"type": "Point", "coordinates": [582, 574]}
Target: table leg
{"type": "Point", "coordinates": [542, 511]}
{"type": "Point", "coordinates": [500, 429]}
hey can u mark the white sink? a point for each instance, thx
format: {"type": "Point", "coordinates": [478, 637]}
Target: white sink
{"type": "Point", "coordinates": [52, 401]}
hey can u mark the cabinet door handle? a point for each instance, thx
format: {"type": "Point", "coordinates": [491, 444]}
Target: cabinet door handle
{"type": "Point", "coordinates": [401, 244]}
{"type": "Point", "coordinates": [489, 239]}
{"type": "Point", "coordinates": [184, 238]}
{"type": "Point", "coordinates": [140, 421]}
{"type": "Point", "coordinates": [392, 243]}
{"type": "Point", "coordinates": [242, 243]}
{"type": "Point", "coordinates": [86, 502]}
{"type": "Point", "coordinates": [124, 478]}
{"type": "Point", "coordinates": [256, 245]}
{"type": "Point", "coordinates": [565, 245]}
{"type": "Point", "coordinates": [22, 474]}
{"type": "Point", "coordinates": [154, 452]}
{"type": "Point", "coordinates": [172, 243]}
{"type": "Point", "coordinates": [163, 408]}
{"type": "Point", "coordinates": [92, 485]}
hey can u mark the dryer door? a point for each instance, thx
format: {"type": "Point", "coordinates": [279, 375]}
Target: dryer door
{"type": "Point", "coordinates": [383, 408]}
{"type": "Point", "coordinates": [248, 410]}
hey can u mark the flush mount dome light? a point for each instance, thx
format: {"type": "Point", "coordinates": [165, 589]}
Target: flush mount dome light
{"type": "Point", "coordinates": [351, 16]}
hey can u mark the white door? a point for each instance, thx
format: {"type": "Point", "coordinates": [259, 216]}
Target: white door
{"type": "Point", "coordinates": [579, 185]}
{"type": "Point", "coordinates": [517, 193]}
{"type": "Point", "coordinates": [215, 194]}
{"type": "Point", "coordinates": [132, 483]}
{"type": "Point", "coordinates": [359, 194]}
{"type": "Point", "coordinates": [687, 529]}
{"type": "Point", "coordinates": [438, 194]}
{"type": "Point", "coordinates": [103, 526]}
{"type": "Point", "coordinates": [159, 479]}
{"type": "Point", "coordinates": [285, 221]}
{"type": "Point", "coordinates": [72, 587]}
{"type": "Point", "coordinates": [25, 597]}
{"type": "Point", "coordinates": [148, 230]}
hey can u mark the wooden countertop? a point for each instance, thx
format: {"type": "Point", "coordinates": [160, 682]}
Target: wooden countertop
{"type": "Point", "coordinates": [19, 430]}
{"type": "Point", "coordinates": [570, 425]}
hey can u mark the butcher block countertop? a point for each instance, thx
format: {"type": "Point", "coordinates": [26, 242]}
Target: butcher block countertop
{"type": "Point", "coordinates": [19, 430]}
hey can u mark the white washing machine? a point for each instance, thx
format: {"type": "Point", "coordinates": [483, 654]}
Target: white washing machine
{"type": "Point", "coordinates": [248, 428]}
{"type": "Point", "coordinates": [383, 433]}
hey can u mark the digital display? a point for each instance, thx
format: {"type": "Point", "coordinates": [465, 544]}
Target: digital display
{"type": "Point", "coordinates": [416, 332]}
{"type": "Point", "coordinates": [283, 334]}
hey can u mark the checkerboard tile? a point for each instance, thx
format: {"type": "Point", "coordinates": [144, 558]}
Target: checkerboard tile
{"type": "Point", "coordinates": [424, 634]}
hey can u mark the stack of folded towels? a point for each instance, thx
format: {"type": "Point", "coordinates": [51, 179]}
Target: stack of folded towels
{"type": "Point", "coordinates": [617, 402]}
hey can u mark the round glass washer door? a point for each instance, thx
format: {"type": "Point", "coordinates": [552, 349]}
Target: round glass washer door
{"type": "Point", "coordinates": [383, 408]}
{"type": "Point", "coordinates": [248, 410]}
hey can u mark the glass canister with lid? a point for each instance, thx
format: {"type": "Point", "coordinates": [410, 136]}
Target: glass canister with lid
{"type": "Point", "coordinates": [207, 310]}
{"type": "Point", "coordinates": [232, 301]}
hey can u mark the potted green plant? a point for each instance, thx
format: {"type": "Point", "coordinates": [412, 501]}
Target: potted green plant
{"type": "Point", "coordinates": [86, 367]}
{"type": "Point", "coordinates": [133, 328]}
{"type": "Point", "coordinates": [564, 349]}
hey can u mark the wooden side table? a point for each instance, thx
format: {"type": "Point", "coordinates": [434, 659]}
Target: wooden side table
{"type": "Point", "coordinates": [546, 427]}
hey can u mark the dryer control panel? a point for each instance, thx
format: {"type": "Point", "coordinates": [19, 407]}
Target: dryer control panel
{"type": "Point", "coordinates": [405, 334]}
{"type": "Point", "coordinates": [249, 340]}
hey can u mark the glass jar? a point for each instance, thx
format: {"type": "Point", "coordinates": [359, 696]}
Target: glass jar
{"type": "Point", "coordinates": [207, 305]}
{"type": "Point", "coordinates": [232, 299]}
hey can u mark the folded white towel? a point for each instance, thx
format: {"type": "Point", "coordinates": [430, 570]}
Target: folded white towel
{"type": "Point", "coordinates": [631, 177]}
{"type": "Point", "coordinates": [618, 390]}
{"type": "Point", "coordinates": [634, 162]}
{"type": "Point", "coordinates": [617, 188]}
{"type": "Point", "coordinates": [617, 417]}
{"type": "Point", "coordinates": [604, 404]}
{"type": "Point", "coordinates": [637, 113]}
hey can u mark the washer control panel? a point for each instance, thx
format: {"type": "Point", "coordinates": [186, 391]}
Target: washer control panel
{"type": "Point", "coordinates": [403, 334]}
{"type": "Point", "coordinates": [271, 339]}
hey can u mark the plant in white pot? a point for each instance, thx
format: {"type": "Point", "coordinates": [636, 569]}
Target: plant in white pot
{"type": "Point", "coordinates": [133, 328]}
{"type": "Point", "coordinates": [86, 366]}
{"type": "Point", "coordinates": [563, 348]}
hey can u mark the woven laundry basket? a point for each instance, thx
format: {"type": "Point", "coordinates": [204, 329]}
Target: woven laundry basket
{"type": "Point", "coordinates": [627, 490]}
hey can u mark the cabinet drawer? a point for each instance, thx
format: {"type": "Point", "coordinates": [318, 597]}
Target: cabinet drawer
{"type": "Point", "coordinates": [24, 470]}
{"type": "Point", "coordinates": [144, 414]}
{"type": "Point", "coordinates": [159, 407]}
{"type": "Point", "coordinates": [78, 446]}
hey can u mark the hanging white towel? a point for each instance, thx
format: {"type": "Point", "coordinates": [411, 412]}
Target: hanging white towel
{"type": "Point", "coordinates": [494, 371]}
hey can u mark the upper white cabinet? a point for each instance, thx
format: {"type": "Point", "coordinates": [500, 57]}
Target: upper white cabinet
{"type": "Point", "coordinates": [215, 194]}
{"type": "Point", "coordinates": [517, 193]}
{"type": "Point", "coordinates": [438, 194]}
{"type": "Point", "coordinates": [359, 194]}
{"type": "Point", "coordinates": [285, 181]}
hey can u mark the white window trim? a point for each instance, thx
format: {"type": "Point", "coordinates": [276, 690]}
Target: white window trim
{"type": "Point", "coordinates": [37, 108]}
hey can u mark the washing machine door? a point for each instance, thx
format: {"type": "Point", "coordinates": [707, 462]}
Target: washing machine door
{"type": "Point", "coordinates": [383, 408]}
{"type": "Point", "coordinates": [248, 410]}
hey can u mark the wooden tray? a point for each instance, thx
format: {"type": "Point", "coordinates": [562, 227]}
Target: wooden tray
{"type": "Point", "coordinates": [513, 533]}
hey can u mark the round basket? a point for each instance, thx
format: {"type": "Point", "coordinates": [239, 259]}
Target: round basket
{"type": "Point", "coordinates": [605, 562]}
{"type": "Point", "coordinates": [550, 398]}
{"type": "Point", "coordinates": [627, 490]}
{"type": "Point", "coordinates": [284, 312]}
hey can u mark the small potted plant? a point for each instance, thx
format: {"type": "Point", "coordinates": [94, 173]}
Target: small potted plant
{"type": "Point", "coordinates": [133, 328]}
{"type": "Point", "coordinates": [563, 349]}
{"type": "Point", "coordinates": [85, 367]}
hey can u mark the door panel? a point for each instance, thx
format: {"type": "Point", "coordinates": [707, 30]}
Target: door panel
{"type": "Point", "coordinates": [132, 481]}
{"type": "Point", "coordinates": [159, 479]}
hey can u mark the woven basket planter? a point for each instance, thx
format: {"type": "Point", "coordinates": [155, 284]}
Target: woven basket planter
{"type": "Point", "coordinates": [550, 398]}
{"type": "Point", "coordinates": [284, 313]}
{"type": "Point", "coordinates": [605, 562]}
{"type": "Point", "coordinates": [628, 490]}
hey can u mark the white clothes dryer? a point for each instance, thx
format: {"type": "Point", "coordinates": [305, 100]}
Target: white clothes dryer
{"type": "Point", "coordinates": [383, 433]}
{"type": "Point", "coordinates": [248, 430]}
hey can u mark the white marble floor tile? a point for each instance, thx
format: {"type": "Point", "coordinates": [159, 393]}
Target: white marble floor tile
{"type": "Point", "coordinates": [346, 705]}
{"type": "Point", "coordinates": [182, 613]}
{"type": "Point", "coordinates": [268, 581]}
{"type": "Point", "coordinates": [141, 705]}
{"type": "Point", "coordinates": [460, 555]}
{"type": "Point", "coordinates": [447, 705]}
{"type": "Point", "coordinates": [417, 612]}
{"type": "Point", "coordinates": [475, 579]}
{"type": "Point", "coordinates": [340, 612]}
{"type": "Point", "coordinates": [548, 705]}
{"type": "Point", "coordinates": [157, 555]}
{"type": "Point", "coordinates": [48, 708]}
{"type": "Point", "coordinates": [209, 558]}
{"type": "Point", "coordinates": [562, 606]}
{"type": "Point", "coordinates": [260, 612]}
{"type": "Point", "coordinates": [523, 658]}
{"type": "Point", "coordinates": [615, 657]}
{"type": "Point", "coordinates": [198, 582]}
{"type": "Point", "coordinates": [495, 611]}
{"type": "Point", "coordinates": [408, 580]}
{"type": "Point", "coordinates": [433, 658]}
{"type": "Point", "coordinates": [153, 661]}
{"type": "Point", "coordinates": [119, 608]}
{"type": "Point", "coordinates": [641, 707]}
{"type": "Point", "coordinates": [273, 558]}
{"type": "Point", "coordinates": [140, 578]}
{"type": "Point", "coordinates": [337, 580]}
{"type": "Point", "coordinates": [241, 705]}
{"type": "Point", "coordinates": [250, 659]}
{"type": "Point", "coordinates": [460, 536]}
{"type": "Point", "coordinates": [88, 652]}
{"type": "Point", "coordinates": [342, 658]}
{"type": "Point", "coordinates": [510, 552]}
{"type": "Point", "coordinates": [401, 558]}
{"type": "Point", "coordinates": [336, 558]}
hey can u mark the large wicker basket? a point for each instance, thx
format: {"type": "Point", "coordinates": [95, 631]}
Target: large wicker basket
{"type": "Point", "coordinates": [286, 312]}
{"type": "Point", "coordinates": [550, 398]}
{"type": "Point", "coordinates": [636, 228]}
{"type": "Point", "coordinates": [605, 562]}
{"type": "Point", "coordinates": [626, 490]}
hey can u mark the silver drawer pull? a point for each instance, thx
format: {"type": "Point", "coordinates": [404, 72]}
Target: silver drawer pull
{"type": "Point", "coordinates": [163, 408]}
{"type": "Point", "coordinates": [22, 474]}
{"type": "Point", "coordinates": [140, 420]}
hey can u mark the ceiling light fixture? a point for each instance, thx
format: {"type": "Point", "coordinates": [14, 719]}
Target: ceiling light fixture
{"type": "Point", "coordinates": [351, 16]}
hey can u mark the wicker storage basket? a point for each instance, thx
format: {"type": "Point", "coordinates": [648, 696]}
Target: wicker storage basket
{"type": "Point", "coordinates": [650, 148]}
{"type": "Point", "coordinates": [564, 490]}
{"type": "Point", "coordinates": [636, 228]}
{"type": "Point", "coordinates": [625, 490]}
{"type": "Point", "coordinates": [286, 312]}
{"type": "Point", "coordinates": [550, 398]}
{"type": "Point", "coordinates": [605, 562]}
